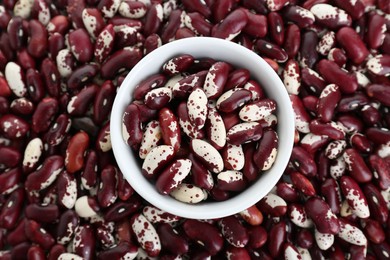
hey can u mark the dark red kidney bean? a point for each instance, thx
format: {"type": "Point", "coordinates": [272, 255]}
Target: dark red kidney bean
{"type": "Point", "coordinates": [292, 41]}
{"type": "Point", "coordinates": [55, 252]}
{"type": "Point", "coordinates": [9, 179]}
{"type": "Point", "coordinates": [154, 81]}
{"type": "Point", "coordinates": [304, 238]}
{"type": "Point", "coordinates": [259, 254]}
{"type": "Point", "coordinates": [276, 239]}
{"type": "Point", "coordinates": [35, 85]}
{"type": "Point", "coordinates": [197, 23]}
{"type": "Point", "coordinates": [66, 227]}
{"type": "Point", "coordinates": [17, 235]}
{"type": "Point", "coordinates": [200, 176]}
{"type": "Point", "coordinates": [44, 114]}
{"type": "Point", "coordinates": [331, 129]}
{"type": "Point", "coordinates": [205, 234]}
{"type": "Point", "coordinates": [58, 24]}
{"type": "Point", "coordinates": [75, 152]}
{"type": "Point", "coordinates": [37, 234]}
{"type": "Point", "coordinates": [237, 78]}
{"type": "Point", "coordinates": [82, 75]}
{"type": "Point", "coordinates": [123, 209]}
{"type": "Point", "coordinates": [119, 61]}
{"type": "Point", "coordinates": [352, 102]}
{"type": "Point", "coordinates": [122, 250]}
{"type": "Point", "coordinates": [299, 15]}
{"type": "Point", "coordinates": [264, 155]}
{"type": "Point", "coordinates": [250, 169]}
{"type": "Point", "coordinates": [197, 6]}
{"type": "Point", "coordinates": [220, 9]}
{"type": "Point", "coordinates": [57, 132]}
{"type": "Point", "coordinates": [158, 98]}
{"type": "Point", "coordinates": [319, 211]}
{"type": "Point", "coordinates": [5, 90]}
{"type": "Point", "coordinates": [153, 19]}
{"type": "Point", "coordinates": [56, 42]}
{"type": "Point", "coordinates": [258, 236]}
{"type": "Point", "coordinates": [330, 190]}
{"type": "Point", "coordinates": [375, 32]}
{"type": "Point", "coordinates": [376, 203]}
{"type": "Point", "coordinates": [381, 251]}
{"type": "Point", "coordinates": [35, 252]}
{"type": "Point", "coordinates": [19, 251]}
{"type": "Point", "coordinates": [9, 157]}
{"type": "Point", "coordinates": [303, 161]}
{"type": "Point", "coordinates": [79, 103]}
{"type": "Point", "coordinates": [361, 143]}
{"type": "Point", "coordinates": [51, 77]}
{"type": "Point", "coordinates": [302, 184]}
{"type": "Point", "coordinates": [44, 175]}
{"type": "Point", "coordinates": [107, 193]}
{"type": "Point", "coordinates": [182, 33]}
{"type": "Point", "coordinates": [379, 92]}
{"type": "Point", "coordinates": [11, 209]}
{"type": "Point", "coordinates": [80, 45]}
{"type": "Point", "coordinates": [233, 231]}
{"type": "Point", "coordinates": [171, 239]}
{"type": "Point", "coordinates": [17, 33]}
{"type": "Point", "coordinates": [131, 122]}
{"type": "Point", "coordinates": [37, 44]}
{"type": "Point", "coordinates": [257, 6]}
{"type": "Point", "coordinates": [308, 53]}
{"type": "Point", "coordinates": [350, 122]}
{"type": "Point", "coordinates": [170, 135]}
{"type": "Point", "coordinates": [276, 27]}
{"type": "Point", "coordinates": [352, 44]}
{"type": "Point", "coordinates": [374, 231]}
{"type": "Point", "coordinates": [171, 26]}
{"type": "Point", "coordinates": [25, 60]}
{"type": "Point", "coordinates": [380, 170]}
{"type": "Point", "coordinates": [151, 43]}
{"type": "Point", "coordinates": [13, 127]}
{"type": "Point", "coordinates": [370, 114]}
{"type": "Point", "coordinates": [42, 213]}
{"type": "Point", "coordinates": [237, 253]}
{"type": "Point", "coordinates": [356, 166]}
{"type": "Point", "coordinates": [125, 191]}
{"type": "Point", "coordinates": [231, 26]}
{"type": "Point", "coordinates": [323, 166]}
{"type": "Point", "coordinates": [74, 9]}
{"type": "Point", "coordinates": [287, 192]}
{"type": "Point", "coordinates": [120, 21]}
{"type": "Point", "coordinates": [327, 103]}
{"type": "Point", "coordinates": [338, 56]}
{"type": "Point", "coordinates": [385, 47]}
{"type": "Point", "coordinates": [5, 46]}
{"type": "Point", "coordinates": [313, 81]}
{"type": "Point", "coordinates": [5, 17]}
{"type": "Point", "coordinates": [256, 26]}
{"type": "Point", "coordinates": [84, 242]}
{"type": "Point", "coordinates": [271, 50]}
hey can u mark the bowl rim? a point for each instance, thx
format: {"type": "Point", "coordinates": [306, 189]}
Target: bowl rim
{"type": "Point", "coordinates": [204, 210]}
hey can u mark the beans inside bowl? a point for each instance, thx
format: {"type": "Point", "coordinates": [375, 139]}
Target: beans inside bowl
{"type": "Point", "coordinates": [201, 120]}
{"type": "Point", "coordinates": [207, 128]}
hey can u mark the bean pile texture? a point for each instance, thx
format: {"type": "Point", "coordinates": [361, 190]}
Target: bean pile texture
{"type": "Point", "coordinates": [62, 195]}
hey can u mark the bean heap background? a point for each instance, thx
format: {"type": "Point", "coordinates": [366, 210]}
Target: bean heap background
{"type": "Point", "coordinates": [62, 195]}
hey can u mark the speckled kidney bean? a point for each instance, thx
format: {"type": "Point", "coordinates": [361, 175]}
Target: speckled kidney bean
{"type": "Point", "coordinates": [299, 15]}
{"type": "Point", "coordinates": [330, 16]}
{"type": "Point", "coordinates": [84, 241]}
{"type": "Point", "coordinates": [273, 205]}
{"type": "Point", "coordinates": [354, 196]}
{"type": "Point", "coordinates": [13, 127]}
{"type": "Point", "coordinates": [67, 225]}
{"type": "Point", "coordinates": [197, 6]}
{"type": "Point", "coordinates": [146, 235]}
{"type": "Point", "coordinates": [319, 211]}
{"type": "Point", "coordinates": [80, 45]}
{"type": "Point", "coordinates": [170, 129]}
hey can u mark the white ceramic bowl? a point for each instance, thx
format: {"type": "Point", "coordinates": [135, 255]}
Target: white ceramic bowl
{"type": "Point", "coordinates": [240, 57]}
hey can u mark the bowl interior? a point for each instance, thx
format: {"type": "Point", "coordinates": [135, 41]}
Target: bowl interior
{"type": "Point", "coordinates": [240, 57]}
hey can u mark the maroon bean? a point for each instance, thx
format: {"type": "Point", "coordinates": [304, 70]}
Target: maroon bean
{"type": "Point", "coordinates": [17, 235]}
{"type": "Point", "coordinates": [51, 77]}
{"type": "Point", "coordinates": [107, 193]}
{"type": "Point", "coordinates": [257, 236]}
{"type": "Point", "coordinates": [35, 85]}
{"type": "Point", "coordinates": [237, 98]}
{"type": "Point", "coordinates": [276, 27]}
{"type": "Point", "coordinates": [9, 179]}
{"type": "Point", "coordinates": [55, 252]}
{"type": "Point", "coordinates": [287, 192]}
{"type": "Point", "coordinates": [376, 203]}
{"type": "Point", "coordinates": [292, 40]}
{"type": "Point", "coordinates": [200, 176]}
{"type": "Point", "coordinates": [10, 212]}
{"type": "Point", "coordinates": [237, 78]}
{"type": "Point", "coordinates": [37, 44]}
{"type": "Point", "coordinates": [302, 184]}
{"type": "Point", "coordinates": [171, 240]}
{"type": "Point", "coordinates": [151, 43]}
{"type": "Point", "coordinates": [197, 6]}
{"type": "Point", "coordinates": [9, 157]}
{"type": "Point", "coordinates": [197, 23]}
{"type": "Point", "coordinates": [356, 166]}
{"type": "Point", "coordinates": [273, 205]}
{"type": "Point", "coordinates": [205, 234]}
{"type": "Point", "coordinates": [44, 114]}
{"type": "Point", "coordinates": [271, 50]}
{"type": "Point", "coordinates": [22, 106]}
{"type": "Point", "coordinates": [153, 19]}
{"type": "Point", "coordinates": [235, 233]}
{"type": "Point", "coordinates": [308, 53]}
{"type": "Point", "coordinates": [57, 132]}
{"type": "Point", "coordinates": [19, 251]}
{"type": "Point", "coordinates": [37, 234]}
{"type": "Point", "coordinates": [352, 44]}
{"type": "Point", "coordinates": [25, 59]}
{"type": "Point", "coordinates": [146, 85]}
{"type": "Point", "coordinates": [331, 191]}
{"type": "Point", "coordinates": [250, 169]}
{"type": "Point", "coordinates": [123, 249]}
{"type": "Point", "coordinates": [36, 253]}
{"type": "Point", "coordinates": [380, 171]}
{"type": "Point", "coordinates": [81, 45]}
{"type": "Point", "coordinates": [319, 211]}
{"type": "Point", "coordinates": [375, 31]}
{"type": "Point", "coordinates": [305, 238]}
{"type": "Point", "coordinates": [56, 42]}
{"type": "Point", "coordinates": [185, 85]}
{"type": "Point", "coordinates": [84, 242]}
{"type": "Point", "coordinates": [17, 33]}
{"type": "Point", "coordinates": [329, 99]}
{"type": "Point", "coordinates": [370, 114]}
{"type": "Point", "coordinates": [276, 239]}
{"type": "Point", "coordinates": [66, 227]}
{"type": "Point", "coordinates": [216, 79]}
{"type": "Point", "coordinates": [378, 92]}
{"type": "Point", "coordinates": [119, 61]}
{"type": "Point", "coordinates": [170, 135]}
{"type": "Point", "coordinates": [79, 103]}
{"type": "Point", "coordinates": [42, 213]}
{"type": "Point", "coordinates": [82, 75]}
{"type": "Point", "coordinates": [171, 26]}
{"type": "Point", "coordinates": [374, 231]}
{"type": "Point", "coordinates": [58, 24]}
{"type": "Point", "coordinates": [257, 25]}
{"type": "Point", "coordinates": [231, 26]}
{"type": "Point", "coordinates": [303, 161]}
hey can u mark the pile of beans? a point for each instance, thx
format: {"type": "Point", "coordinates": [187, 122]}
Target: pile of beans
{"type": "Point", "coordinates": [222, 117]}
{"type": "Point", "coordinates": [62, 195]}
